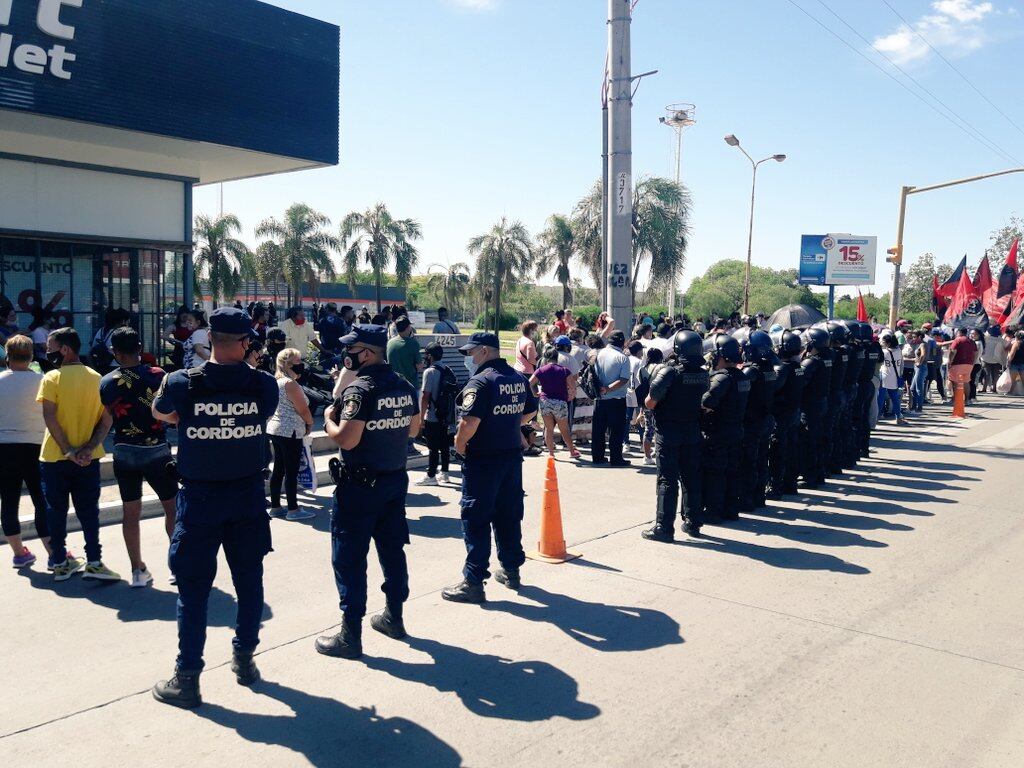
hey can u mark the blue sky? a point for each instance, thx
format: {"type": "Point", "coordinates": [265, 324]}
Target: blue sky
{"type": "Point", "coordinates": [457, 112]}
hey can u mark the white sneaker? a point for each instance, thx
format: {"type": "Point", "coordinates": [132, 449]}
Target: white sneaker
{"type": "Point", "coordinates": [428, 481]}
{"type": "Point", "coordinates": [649, 461]}
{"type": "Point", "coordinates": [442, 477]}
{"type": "Point", "coordinates": [141, 578]}
{"type": "Point", "coordinates": [299, 514]}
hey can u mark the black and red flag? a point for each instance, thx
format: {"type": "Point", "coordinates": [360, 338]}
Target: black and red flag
{"type": "Point", "coordinates": [965, 309]}
{"type": "Point", "coordinates": [997, 301]}
{"type": "Point", "coordinates": [943, 294]}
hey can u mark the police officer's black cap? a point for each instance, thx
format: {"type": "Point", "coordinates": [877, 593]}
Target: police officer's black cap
{"type": "Point", "coordinates": [480, 340]}
{"type": "Point", "coordinates": [367, 335]}
{"type": "Point", "coordinates": [232, 321]}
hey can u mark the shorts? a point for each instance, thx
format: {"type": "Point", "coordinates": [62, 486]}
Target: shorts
{"type": "Point", "coordinates": [135, 463]}
{"type": "Point", "coordinates": [557, 409]}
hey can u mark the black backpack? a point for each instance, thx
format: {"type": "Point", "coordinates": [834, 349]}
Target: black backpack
{"type": "Point", "coordinates": [444, 403]}
{"type": "Point", "coordinates": [588, 381]}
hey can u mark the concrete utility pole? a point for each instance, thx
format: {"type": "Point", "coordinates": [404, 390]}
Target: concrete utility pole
{"type": "Point", "coordinates": [619, 224]}
{"type": "Point", "coordinates": [603, 284]}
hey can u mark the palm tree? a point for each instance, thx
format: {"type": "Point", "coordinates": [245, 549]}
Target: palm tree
{"type": "Point", "coordinates": [661, 229]}
{"type": "Point", "coordinates": [557, 248]}
{"type": "Point", "coordinates": [299, 249]}
{"type": "Point", "coordinates": [452, 282]}
{"type": "Point", "coordinates": [380, 240]}
{"type": "Point", "coordinates": [220, 256]}
{"type": "Point", "coordinates": [503, 256]}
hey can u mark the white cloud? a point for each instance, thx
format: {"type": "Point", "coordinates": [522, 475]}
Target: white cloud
{"type": "Point", "coordinates": [475, 5]}
{"type": "Point", "coordinates": [955, 28]}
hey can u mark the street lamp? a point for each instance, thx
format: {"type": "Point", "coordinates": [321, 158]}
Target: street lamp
{"type": "Point", "coordinates": [732, 141]}
{"type": "Point", "coordinates": [678, 117]}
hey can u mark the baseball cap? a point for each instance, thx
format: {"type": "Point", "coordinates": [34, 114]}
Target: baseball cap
{"type": "Point", "coordinates": [563, 341]}
{"type": "Point", "coordinates": [367, 335]}
{"type": "Point", "coordinates": [481, 339]}
{"type": "Point", "coordinates": [231, 320]}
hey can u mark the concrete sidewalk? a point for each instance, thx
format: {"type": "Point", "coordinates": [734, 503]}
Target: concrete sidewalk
{"type": "Point", "coordinates": [874, 622]}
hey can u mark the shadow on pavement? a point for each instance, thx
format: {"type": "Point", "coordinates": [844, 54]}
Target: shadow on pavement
{"type": "Point", "coordinates": [423, 500]}
{"type": "Point", "coordinates": [491, 686]}
{"type": "Point", "coordinates": [150, 604]}
{"type": "Point", "coordinates": [777, 557]}
{"type": "Point", "coordinates": [329, 733]}
{"type": "Point", "coordinates": [851, 502]}
{"type": "Point", "coordinates": [610, 628]}
{"type": "Point", "coordinates": [879, 471]}
{"type": "Point", "coordinates": [435, 527]}
{"type": "Point", "coordinates": [831, 518]}
{"type": "Point", "coordinates": [582, 562]}
{"type": "Point", "coordinates": [823, 537]}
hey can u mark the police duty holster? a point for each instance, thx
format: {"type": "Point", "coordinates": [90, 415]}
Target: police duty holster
{"type": "Point", "coordinates": [365, 477]}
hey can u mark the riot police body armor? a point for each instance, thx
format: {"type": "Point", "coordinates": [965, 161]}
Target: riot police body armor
{"type": "Point", "coordinates": [814, 405]}
{"type": "Point", "coordinates": [784, 444]}
{"type": "Point", "coordinates": [851, 386]}
{"type": "Point", "coordinates": [759, 369]}
{"type": "Point", "coordinates": [872, 362]}
{"type": "Point", "coordinates": [836, 397]}
{"type": "Point", "coordinates": [725, 406]}
{"type": "Point", "coordinates": [677, 389]}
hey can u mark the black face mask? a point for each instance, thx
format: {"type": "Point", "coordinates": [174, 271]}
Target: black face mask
{"type": "Point", "coordinates": [299, 368]}
{"type": "Point", "coordinates": [56, 359]}
{"type": "Point", "coordinates": [352, 361]}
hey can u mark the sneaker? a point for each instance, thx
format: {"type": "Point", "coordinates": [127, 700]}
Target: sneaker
{"type": "Point", "coordinates": [23, 560]}
{"type": "Point", "coordinates": [428, 481]}
{"type": "Point", "coordinates": [172, 580]}
{"type": "Point", "coordinates": [99, 572]}
{"type": "Point", "coordinates": [64, 571]}
{"type": "Point", "coordinates": [442, 477]}
{"type": "Point", "coordinates": [299, 514]}
{"type": "Point", "coordinates": [649, 461]}
{"type": "Point", "coordinates": [278, 512]}
{"type": "Point", "coordinates": [49, 561]}
{"type": "Point", "coordinates": [141, 577]}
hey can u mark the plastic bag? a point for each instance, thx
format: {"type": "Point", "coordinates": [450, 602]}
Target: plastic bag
{"type": "Point", "coordinates": [1005, 383]}
{"type": "Point", "coordinates": [307, 467]}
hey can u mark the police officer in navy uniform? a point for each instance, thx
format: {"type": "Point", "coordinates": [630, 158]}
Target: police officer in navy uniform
{"type": "Point", "coordinates": [724, 406]}
{"type": "Point", "coordinates": [814, 406]}
{"type": "Point", "coordinates": [759, 368]}
{"type": "Point", "coordinates": [372, 422]}
{"type": "Point", "coordinates": [494, 404]}
{"type": "Point", "coordinates": [221, 410]}
{"type": "Point", "coordinates": [675, 395]}
{"type": "Point", "coordinates": [783, 450]}
{"type": "Point", "coordinates": [836, 398]}
{"type": "Point", "coordinates": [872, 361]}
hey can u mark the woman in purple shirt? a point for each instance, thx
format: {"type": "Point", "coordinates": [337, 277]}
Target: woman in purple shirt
{"type": "Point", "coordinates": [556, 386]}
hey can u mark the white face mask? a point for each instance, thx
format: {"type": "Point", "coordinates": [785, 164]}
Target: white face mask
{"type": "Point", "coordinates": [470, 365]}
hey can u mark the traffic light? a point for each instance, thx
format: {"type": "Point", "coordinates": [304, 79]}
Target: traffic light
{"type": "Point", "coordinates": [895, 255]}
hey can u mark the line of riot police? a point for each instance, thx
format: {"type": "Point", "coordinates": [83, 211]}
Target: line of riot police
{"type": "Point", "coordinates": [740, 419]}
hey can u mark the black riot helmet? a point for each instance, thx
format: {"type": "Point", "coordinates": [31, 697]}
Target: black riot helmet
{"type": "Point", "coordinates": [837, 331]}
{"type": "Point", "coordinates": [852, 330]}
{"type": "Point", "coordinates": [816, 338]}
{"type": "Point", "coordinates": [725, 347]}
{"type": "Point", "coordinates": [866, 331]}
{"type": "Point", "coordinates": [787, 343]}
{"type": "Point", "coordinates": [688, 345]}
{"type": "Point", "coordinates": [756, 345]}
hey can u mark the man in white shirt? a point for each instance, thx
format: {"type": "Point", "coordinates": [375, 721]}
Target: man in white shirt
{"type": "Point", "coordinates": [298, 334]}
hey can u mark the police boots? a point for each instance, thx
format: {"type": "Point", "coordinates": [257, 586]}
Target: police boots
{"type": "Point", "coordinates": [244, 668]}
{"type": "Point", "coordinates": [659, 534]}
{"type": "Point", "coordinates": [182, 690]}
{"type": "Point", "coordinates": [346, 644]}
{"type": "Point", "coordinates": [465, 592]}
{"type": "Point", "coordinates": [509, 577]}
{"type": "Point", "coordinates": [390, 622]}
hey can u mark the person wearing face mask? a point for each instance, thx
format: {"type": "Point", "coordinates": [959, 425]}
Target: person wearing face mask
{"type": "Point", "coordinates": [494, 405]}
{"type": "Point", "coordinates": [290, 423]}
{"type": "Point", "coordinates": [298, 333]}
{"type": "Point", "coordinates": [370, 422]}
{"type": "Point", "coordinates": [221, 411]}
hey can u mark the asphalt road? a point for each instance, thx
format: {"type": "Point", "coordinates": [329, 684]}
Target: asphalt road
{"type": "Point", "coordinates": [875, 622]}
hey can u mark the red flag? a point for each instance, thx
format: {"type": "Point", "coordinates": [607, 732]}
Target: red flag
{"type": "Point", "coordinates": [948, 288]}
{"type": "Point", "coordinates": [962, 299]}
{"type": "Point", "coordinates": [862, 311]}
{"type": "Point", "coordinates": [939, 302]}
{"type": "Point", "coordinates": [983, 277]}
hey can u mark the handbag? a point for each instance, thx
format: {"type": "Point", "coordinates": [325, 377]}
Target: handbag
{"type": "Point", "coordinates": [307, 466]}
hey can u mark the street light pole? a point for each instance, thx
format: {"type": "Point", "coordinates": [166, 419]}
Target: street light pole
{"type": "Point", "coordinates": [678, 117]}
{"type": "Point", "coordinates": [905, 192]}
{"type": "Point", "coordinates": [732, 141]}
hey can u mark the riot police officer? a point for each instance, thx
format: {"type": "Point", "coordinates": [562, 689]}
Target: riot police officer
{"type": "Point", "coordinates": [836, 398]}
{"type": "Point", "coordinates": [783, 449]}
{"type": "Point", "coordinates": [848, 424]}
{"type": "Point", "coordinates": [494, 404]}
{"type": "Point", "coordinates": [757, 425]}
{"type": "Point", "coordinates": [724, 406]}
{"type": "Point", "coordinates": [221, 410]}
{"type": "Point", "coordinates": [675, 396]}
{"type": "Point", "coordinates": [814, 405]}
{"type": "Point", "coordinates": [371, 422]}
{"type": "Point", "coordinates": [872, 361]}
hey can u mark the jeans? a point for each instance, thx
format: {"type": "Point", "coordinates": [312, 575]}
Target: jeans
{"type": "Point", "coordinates": [893, 395]}
{"type": "Point", "coordinates": [918, 387]}
{"type": "Point", "coordinates": [610, 418]}
{"type": "Point", "coordinates": [19, 463]}
{"type": "Point", "coordinates": [64, 479]}
{"type": "Point", "coordinates": [439, 443]}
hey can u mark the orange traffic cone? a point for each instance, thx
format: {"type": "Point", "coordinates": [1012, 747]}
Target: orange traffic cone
{"type": "Point", "coordinates": [551, 547]}
{"type": "Point", "coordinates": [959, 412]}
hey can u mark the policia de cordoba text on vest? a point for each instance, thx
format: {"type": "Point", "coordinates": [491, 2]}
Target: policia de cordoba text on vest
{"type": "Point", "coordinates": [227, 430]}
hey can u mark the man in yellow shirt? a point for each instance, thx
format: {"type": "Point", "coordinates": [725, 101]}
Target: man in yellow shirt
{"type": "Point", "coordinates": [76, 423]}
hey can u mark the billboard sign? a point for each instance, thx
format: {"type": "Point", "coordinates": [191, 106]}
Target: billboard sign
{"type": "Point", "coordinates": [837, 259]}
{"type": "Point", "coordinates": [238, 73]}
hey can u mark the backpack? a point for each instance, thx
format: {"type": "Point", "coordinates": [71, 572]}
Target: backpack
{"type": "Point", "coordinates": [588, 381]}
{"type": "Point", "coordinates": [444, 404]}
{"type": "Point", "coordinates": [100, 357]}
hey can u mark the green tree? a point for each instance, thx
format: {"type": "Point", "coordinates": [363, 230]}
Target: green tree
{"type": "Point", "coordinates": [916, 289]}
{"type": "Point", "coordinates": [380, 240]}
{"type": "Point", "coordinates": [661, 216]}
{"type": "Point", "coordinates": [556, 250]}
{"type": "Point", "coordinates": [1002, 239]}
{"type": "Point", "coordinates": [219, 256]}
{"type": "Point", "coordinates": [299, 246]}
{"type": "Point", "coordinates": [504, 256]}
{"type": "Point", "coordinates": [451, 283]}
{"type": "Point", "coordinates": [719, 291]}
